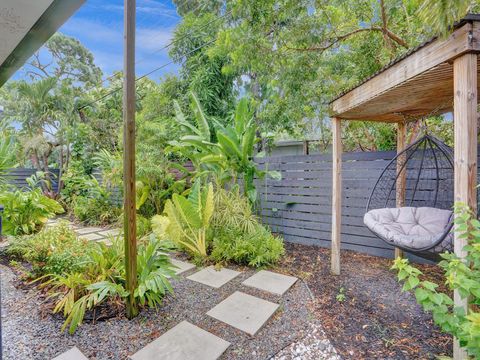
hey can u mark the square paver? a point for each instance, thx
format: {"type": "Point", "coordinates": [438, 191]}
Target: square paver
{"type": "Point", "coordinates": [272, 282]}
{"type": "Point", "coordinates": [87, 230]}
{"type": "Point", "coordinates": [72, 354]}
{"type": "Point", "coordinates": [91, 237]}
{"type": "Point", "coordinates": [213, 277]}
{"type": "Point", "coordinates": [245, 312]}
{"type": "Point", "coordinates": [184, 342]}
{"type": "Point", "coordinates": [182, 266]}
{"type": "Point", "coordinates": [111, 232]}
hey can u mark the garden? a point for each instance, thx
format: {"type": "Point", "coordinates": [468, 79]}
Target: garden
{"type": "Point", "coordinates": [215, 273]}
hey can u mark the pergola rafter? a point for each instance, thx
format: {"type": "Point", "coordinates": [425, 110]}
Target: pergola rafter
{"type": "Point", "coordinates": [439, 76]}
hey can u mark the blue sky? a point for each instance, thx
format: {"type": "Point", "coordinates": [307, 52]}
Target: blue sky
{"type": "Point", "coordinates": [98, 24]}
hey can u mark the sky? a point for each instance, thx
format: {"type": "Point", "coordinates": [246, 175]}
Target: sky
{"type": "Point", "coordinates": [98, 25]}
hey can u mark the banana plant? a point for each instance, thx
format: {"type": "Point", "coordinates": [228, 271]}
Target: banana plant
{"type": "Point", "coordinates": [229, 154]}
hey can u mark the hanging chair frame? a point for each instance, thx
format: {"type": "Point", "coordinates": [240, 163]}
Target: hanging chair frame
{"type": "Point", "coordinates": [448, 153]}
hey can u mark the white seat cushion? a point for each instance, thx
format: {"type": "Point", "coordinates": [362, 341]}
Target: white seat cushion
{"type": "Point", "coordinates": [409, 227]}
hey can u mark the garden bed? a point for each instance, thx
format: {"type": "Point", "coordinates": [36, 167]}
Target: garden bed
{"type": "Point", "coordinates": [376, 320]}
{"type": "Point", "coordinates": [30, 332]}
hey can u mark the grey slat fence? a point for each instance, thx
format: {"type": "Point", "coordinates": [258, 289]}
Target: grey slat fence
{"type": "Point", "coordinates": [18, 176]}
{"type": "Point", "coordinates": [299, 206]}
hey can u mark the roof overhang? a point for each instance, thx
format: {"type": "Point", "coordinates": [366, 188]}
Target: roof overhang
{"type": "Point", "coordinates": [25, 25]}
{"type": "Point", "coordinates": [417, 84]}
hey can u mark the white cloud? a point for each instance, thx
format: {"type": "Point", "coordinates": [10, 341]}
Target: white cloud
{"type": "Point", "coordinates": [85, 29]}
{"type": "Point", "coordinates": [153, 39]}
{"type": "Point", "coordinates": [148, 7]}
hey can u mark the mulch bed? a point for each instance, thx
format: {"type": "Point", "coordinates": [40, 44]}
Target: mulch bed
{"type": "Point", "coordinates": [376, 320]}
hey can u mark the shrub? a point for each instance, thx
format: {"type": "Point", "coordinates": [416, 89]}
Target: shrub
{"type": "Point", "coordinates": [54, 250]}
{"type": "Point", "coordinates": [27, 211]}
{"type": "Point", "coordinates": [75, 183]}
{"type": "Point", "coordinates": [238, 234]}
{"type": "Point", "coordinates": [462, 275]}
{"type": "Point", "coordinates": [187, 220]}
{"type": "Point", "coordinates": [103, 280]}
{"type": "Point", "coordinates": [257, 248]}
{"type": "Point", "coordinates": [97, 207]}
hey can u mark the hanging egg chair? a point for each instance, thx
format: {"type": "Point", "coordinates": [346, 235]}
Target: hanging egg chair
{"type": "Point", "coordinates": [421, 177]}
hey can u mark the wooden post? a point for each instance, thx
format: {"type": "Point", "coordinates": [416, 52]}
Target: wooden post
{"type": "Point", "coordinates": [401, 172]}
{"type": "Point", "coordinates": [465, 124]}
{"type": "Point", "coordinates": [336, 194]}
{"type": "Point", "coordinates": [129, 229]}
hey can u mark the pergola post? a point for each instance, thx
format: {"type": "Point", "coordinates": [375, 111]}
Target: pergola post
{"type": "Point", "coordinates": [129, 221]}
{"type": "Point", "coordinates": [465, 129]}
{"type": "Point", "coordinates": [336, 194]}
{"type": "Point", "coordinates": [401, 172]}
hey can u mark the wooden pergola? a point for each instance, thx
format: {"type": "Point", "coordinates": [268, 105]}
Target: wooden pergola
{"type": "Point", "coordinates": [439, 76]}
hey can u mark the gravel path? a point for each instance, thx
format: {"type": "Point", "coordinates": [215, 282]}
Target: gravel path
{"type": "Point", "coordinates": [29, 333]}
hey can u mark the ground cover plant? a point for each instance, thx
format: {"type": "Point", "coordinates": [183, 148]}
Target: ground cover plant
{"type": "Point", "coordinates": [53, 250]}
{"type": "Point", "coordinates": [460, 274]}
{"type": "Point", "coordinates": [80, 276]}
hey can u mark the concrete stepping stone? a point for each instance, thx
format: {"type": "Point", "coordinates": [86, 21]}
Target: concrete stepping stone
{"type": "Point", "coordinates": [182, 266]}
{"type": "Point", "coordinates": [91, 237]}
{"type": "Point", "coordinates": [270, 281]}
{"type": "Point", "coordinates": [213, 277]}
{"type": "Point", "coordinates": [244, 312]}
{"type": "Point", "coordinates": [111, 232]}
{"type": "Point", "coordinates": [184, 342]}
{"type": "Point", "coordinates": [72, 354]}
{"type": "Point", "coordinates": [88, 230]}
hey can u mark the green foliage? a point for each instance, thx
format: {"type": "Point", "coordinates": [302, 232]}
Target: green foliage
{"type": "Point", "coordinates": [202, 70]}
{"type": "Point", "coordinates": [258, 248]}
{"type": "Point", "coordinates": [76, 184]}
{"type": "Point", "coordinates": [7, 154]}
{"type": "Point", "coordinates": [238, 234]}
{"type": "Point", "coordinates": [54, 250]}
{"type": "Point", "coordinates": [102, 280]}
{"type": "Point", "coordinates": [187, 220]}
{"type": "Point", "coordinates": [230, 158]}
{"type": "Point", "coordinates": [97, 206]}
{"type": "Point", "coordinates": [462, 275]}
{"type": "Point", "coordinates": [440, 15]}
{"type": "Point", "coordinates": [26, 211]}
{"type": "Point", "coordinates": [341, 295]}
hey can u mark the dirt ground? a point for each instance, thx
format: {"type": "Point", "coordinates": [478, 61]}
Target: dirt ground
{"type": "Point", "coordinates": [376, 320]}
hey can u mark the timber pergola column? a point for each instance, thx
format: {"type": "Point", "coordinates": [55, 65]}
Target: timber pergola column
{"type": "Point", "coordinates": [336, 194]}
{"type": "Point", "coordinates": [419, 84]}
{"type": "Point", "coordinates": [129, 208]}
{"type": "Point", "coordinates": [465, 163]}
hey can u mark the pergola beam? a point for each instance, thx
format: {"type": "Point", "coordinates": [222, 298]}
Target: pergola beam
{"type": "Point", "coordinates": [461, 41]}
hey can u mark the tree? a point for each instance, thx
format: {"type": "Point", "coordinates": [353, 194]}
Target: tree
{"type": "Point", "coordinates": [46, 107]}
{"type": "Point", "coordinates": [442, 14]}
{"type": "Point", "coordinates": [293, 56]}
{"type": "Point", "coordinates": [66, 59]}
{"type": "Point", "coordinates": [202, 70]}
